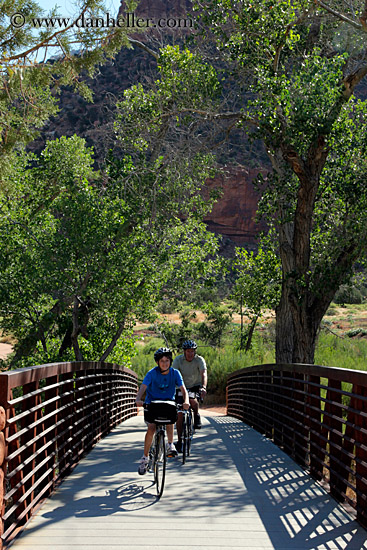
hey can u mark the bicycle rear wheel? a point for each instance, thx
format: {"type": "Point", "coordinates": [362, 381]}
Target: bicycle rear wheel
{"type": "Point", "coordinates": [160, 463]}
{"type": "Point", "coordinates": [185, 438]}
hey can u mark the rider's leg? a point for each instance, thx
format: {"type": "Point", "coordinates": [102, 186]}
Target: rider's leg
{"type": "Point", "coordinates": [170, 433]}
{"type": "Point", "coordinates": [194, 405]}
{"type": "Point", "coordinates": [170, 449]}
{"type": "Point", "coordinates": [149, 438]}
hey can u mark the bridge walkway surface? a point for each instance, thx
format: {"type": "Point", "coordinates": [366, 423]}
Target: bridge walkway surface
{"type": "Point", "coordinates": [237, 490]}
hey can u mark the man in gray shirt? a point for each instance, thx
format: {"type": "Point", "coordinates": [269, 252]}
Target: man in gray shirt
{"type": "Point", "coordinates": [194, 373]}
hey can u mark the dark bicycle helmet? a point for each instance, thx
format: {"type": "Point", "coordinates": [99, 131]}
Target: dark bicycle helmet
{"type": "Point", "coordinates": [189, 344]}
{"type": "Point", "coordinates": [162, 352]}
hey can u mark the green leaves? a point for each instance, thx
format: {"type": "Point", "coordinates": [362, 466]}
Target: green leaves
{"type": "Point", "coordinates": [258, 280]}
{"type": "Point", "coordinates": [28, 84]}
{"type": "Point", "coordinates": [186, 78]}
{"type": "Point", "coordinates": [84, 254]}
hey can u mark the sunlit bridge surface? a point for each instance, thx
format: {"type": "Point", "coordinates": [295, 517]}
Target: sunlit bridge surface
{"type": "Point", "coordinates": [237, 490]}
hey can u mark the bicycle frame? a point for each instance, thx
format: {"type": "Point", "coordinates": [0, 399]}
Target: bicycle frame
{"type": "Point", "coordinates": [187, 431]}
{"type": "Point", "coordinates": [157, 452]}
{"type": "Point", "coordinates": [157, 458]}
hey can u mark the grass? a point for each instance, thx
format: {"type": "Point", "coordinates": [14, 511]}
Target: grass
{"type": "Point", "coordinates": [220, 362]}
{"type": "Point", "coordinates": [332, 350]}
{"type": "Point", "coordinates": [346, 353]}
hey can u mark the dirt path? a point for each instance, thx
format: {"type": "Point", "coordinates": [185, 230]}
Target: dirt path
{"type": "Point", "coordinates": [5, 350]}
{"type": "Point", "coordinates": [213, 410]}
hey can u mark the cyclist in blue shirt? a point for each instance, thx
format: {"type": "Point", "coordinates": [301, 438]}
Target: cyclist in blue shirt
{"type": "Point", "coordinates": [160, 384]}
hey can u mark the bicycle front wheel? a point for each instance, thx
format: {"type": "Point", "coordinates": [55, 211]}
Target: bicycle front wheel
{"type": "Point", "coordinates": [190, 430]}
{"type": "Point", "coordinates": [160, 464]}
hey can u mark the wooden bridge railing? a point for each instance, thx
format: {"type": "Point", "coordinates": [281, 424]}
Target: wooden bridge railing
{"type": "Point", "coordinates": [50, 416]}
{"type": "Point", "coordinates": [317, 415]}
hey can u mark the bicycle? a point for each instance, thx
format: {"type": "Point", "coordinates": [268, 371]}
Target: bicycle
{"type": "Point", "coordinates": [157, 453]}
{"type": "Point", "coordinates": [188, 429]}
{"type": "Point", "coordinates": [187, 432]}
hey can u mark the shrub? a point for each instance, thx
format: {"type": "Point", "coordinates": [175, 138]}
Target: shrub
{"type": "Point", "coordinates": [356, 332]}
{"type": "Point", "coordinates": [348, 295]}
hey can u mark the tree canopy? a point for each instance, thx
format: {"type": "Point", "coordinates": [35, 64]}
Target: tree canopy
{"type": "Point", "coordinates": [84, 254]}
{"type": "Point", "coordinates": [288, 74]}
{"type": "Point", "coordinates": [30, 81]}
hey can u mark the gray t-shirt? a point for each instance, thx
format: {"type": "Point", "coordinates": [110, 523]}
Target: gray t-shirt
{"type": "Point", "coordinates": [191, 370]}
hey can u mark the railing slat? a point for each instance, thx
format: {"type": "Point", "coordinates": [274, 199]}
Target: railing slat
{"type": "Point", "coordinates": [54, 415]}
{"type": "Point", "coordinates": [317, 414]}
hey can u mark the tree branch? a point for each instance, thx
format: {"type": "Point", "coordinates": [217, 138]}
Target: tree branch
{"type": "Point", "coordinates": [143, 47]}
{"type": "Point", "coordinates": [114, 341]}
{"type": "Point", "coordinates": [339, 15]}
{"type": "Point", "coordinates": [287, 31]}
{"type": "Point", "coordinates": [363, 18]}
{"type": "Point", "coordinates": [208, 115]}
{"type": "Point", "coordinates": [44, 42]}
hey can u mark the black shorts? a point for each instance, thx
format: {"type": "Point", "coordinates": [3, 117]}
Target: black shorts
{"type": "Point", "coordinates": [160, 412]}
{"type": "Point", "coordinates": [193, 394]}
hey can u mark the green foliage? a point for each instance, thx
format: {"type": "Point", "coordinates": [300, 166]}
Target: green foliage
{"type": "Point", "coordinates": [81, 259]}
{"type": "Point", "coordinates": [175, 334]}
{"type": "Point", "coordinates": [94, 251]}
{"type": "Point", "coordinates": [331, 310]}
{"type": "Point", "coordinates": [257, 286]}
{"type": "Point", "coordinates": [348, 295]}
{"type": "Point", "coordinates": [28, 85]}
{"type": "Point", "coordinates": [166, 305]}
{"type": "Point", "coordinates": [346, 353]}
{"type": "Point", "coordinates": [220, 362]}
{"type": "Point", "coordinates": [331, 351]}
{"type": "Point", "coordinates": [356, 332]}
{"type": "Point", "coordinates": [217, 320]}
{"type": "Point", "coordinates": [297, 79]}
{"type": "Point", "coordinates": [210, 331]}
{"type": "Point", "coordinates": [146, 132]}
{"type": "Point", "coordinates": [258, 279]}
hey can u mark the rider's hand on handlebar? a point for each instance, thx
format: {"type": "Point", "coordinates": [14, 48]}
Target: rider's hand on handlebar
{"type": "Point", "coordinates": [202, 393]}
{"type": "Point", "coordinates": [186, 406]}
{"type": "Point", "coordinates": [139, 403]}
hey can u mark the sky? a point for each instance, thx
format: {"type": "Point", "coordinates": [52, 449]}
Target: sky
{"type": "Point", "coordinates": [67, 9]}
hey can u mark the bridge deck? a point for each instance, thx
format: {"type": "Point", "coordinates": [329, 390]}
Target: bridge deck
{"type": "Point", "coordinates": [237, 490]}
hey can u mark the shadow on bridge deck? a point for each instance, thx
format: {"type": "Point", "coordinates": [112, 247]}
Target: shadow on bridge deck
{"type": "Point", "coordinates": [237, 490]}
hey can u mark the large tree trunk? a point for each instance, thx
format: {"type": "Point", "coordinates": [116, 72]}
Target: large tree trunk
{"type": "Point", "coordinates": [297, 328]}
{"type": "Point", "coordinates": [284, 330]}
{"type": "Point", "coordinates": [300, 311]}
{"type": "Point", "coordinates": [306, 323]}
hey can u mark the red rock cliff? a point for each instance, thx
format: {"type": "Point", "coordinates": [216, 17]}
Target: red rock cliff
{"type": "Point", "coordinates": [234, 213]}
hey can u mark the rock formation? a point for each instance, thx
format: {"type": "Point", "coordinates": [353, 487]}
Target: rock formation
{"type": "Point", "coordinates": [233, 215]}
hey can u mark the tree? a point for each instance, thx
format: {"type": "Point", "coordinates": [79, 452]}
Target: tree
{"type": "Point", "coordinates": [85, 254]}
{"type": "Point", "coordinates": [294, 69]}
{"type": "Point", "coordinates": [217, 319]}
{"type": "Point", "coordinates": [257, 286]}
{"type": "Point", "coordinates": [304, 76]}
{"type": "Point", "coordinates": [29, 84]}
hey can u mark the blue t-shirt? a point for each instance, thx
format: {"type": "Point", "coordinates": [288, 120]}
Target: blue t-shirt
{"type": "Point", "coordinates": [162, 386]}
